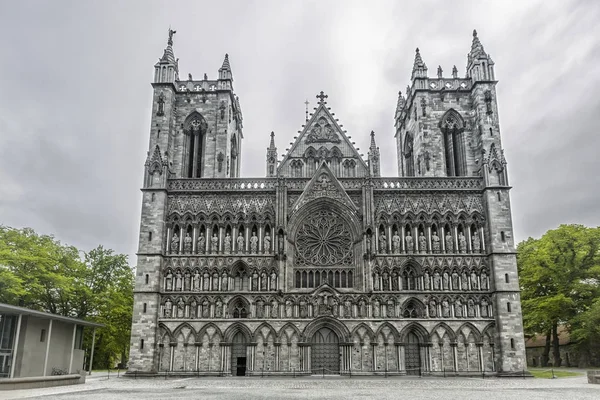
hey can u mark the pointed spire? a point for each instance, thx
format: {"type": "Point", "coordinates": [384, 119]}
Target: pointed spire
{"type": "Point", "coordinates": [476, 47]}
{"type": "Point", "coordinates": [373, 146]}
{"type": "Point", "coordinates": [225, 65]}
{"type": "Point", "coordinates": [419, 67]}
{"type": "Point", "coordinates": [272, 144]}
{"type": "Point", "coordinates": [400, 104]}
{"type": "Point", "coordinates": [167, 69]}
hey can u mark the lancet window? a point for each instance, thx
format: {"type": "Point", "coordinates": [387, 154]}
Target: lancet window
{"type": "Point", "coordinates": [452, 126]}
{"type": "Point", "coordinates": [194, 127]}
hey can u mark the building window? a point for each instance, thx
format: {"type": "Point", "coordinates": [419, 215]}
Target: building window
{"type": "Point", "coordinates": [142, 344]}
{"type": "Point", "coordinates": [79, 338]}
{"type": "Point", "coordinates": [149, 236]}
{"type": "Point", "coordinates": [508, 307]}
{"type": "Point", "coordinates": [147, 278]}
{"type": "Point", "coordinates": [145, 307]}
{"type": "Point", "coordinates": [503, 236]}
{"type": "Point", "coordinates": [43, 335]}
{"type": "Point", "coordinates": [506, 279]}
{"type": "Point", "coordinates": [512, 344]}
{"type": "Point", "coordinates": [499, 198]}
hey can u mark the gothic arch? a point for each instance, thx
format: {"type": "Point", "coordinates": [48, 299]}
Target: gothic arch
{"type": "Point", "coordinates": [489, 331]}
{"type": "Point", "coordinates": [178, 330]}
{"type": "Point", "coordinates": [472, 330]}
{"type": "Point", "coordinates": [166, 332]}
{"type": "Point", "coordinates": [417, 329]}
{"type": "Point", "coordinates": [258, 332]}
{"type": "Point", "coordinates": [369, 332]}
{"type": "Point", "coordinates": [204, 330]}
{"type": "Point", "coordinates": [452, 126]}
{"type": "Point", "coordinates": [328, 322]}
{"type": "Point", "coordinates": [282, 331]}
{"type": "Point", "coordinates": [448, 331]}
{"type": "Point", "coordinates": [194, 128]}
{"type": "Point", "coordinates": [392, 328]}
{"type": "Point", "coordinates": [236, 327]}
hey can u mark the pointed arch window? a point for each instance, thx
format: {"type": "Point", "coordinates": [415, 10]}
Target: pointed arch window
{"type": "Point", "coordinates": [194, 127]}
{"type": "Point", "coordinates": [452, 126]}
{"type": "Point", "coordinates": [409, 155]}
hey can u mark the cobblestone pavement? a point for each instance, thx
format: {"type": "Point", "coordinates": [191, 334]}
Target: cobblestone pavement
{"type": "Point", "coordinates": [99, 387]}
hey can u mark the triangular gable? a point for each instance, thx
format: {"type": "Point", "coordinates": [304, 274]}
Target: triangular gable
{"type": "Point", "coordinates": [324, 184]}
{"type": "Point", "coordinates": [322, 132]}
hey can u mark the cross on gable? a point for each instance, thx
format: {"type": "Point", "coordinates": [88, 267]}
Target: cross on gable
{"type": "Point", "coordinates": [322, 96]}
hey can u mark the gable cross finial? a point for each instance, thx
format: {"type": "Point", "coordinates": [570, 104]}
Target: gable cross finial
{"type": "Point", "coordinates": [322, 96]}
{"type": "Point", "coordinates": [306, 103]}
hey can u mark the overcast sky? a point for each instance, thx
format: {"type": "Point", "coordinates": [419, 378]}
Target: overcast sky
{"type": "Point", "coordinates": [75, 94]}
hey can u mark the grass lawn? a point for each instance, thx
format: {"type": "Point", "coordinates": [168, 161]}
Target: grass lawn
{"type": "Point", "coordinates": [547, 373]}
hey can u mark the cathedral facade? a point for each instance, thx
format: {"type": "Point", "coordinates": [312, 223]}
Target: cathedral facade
{"type": "Point", "coordinates": [324, 266]}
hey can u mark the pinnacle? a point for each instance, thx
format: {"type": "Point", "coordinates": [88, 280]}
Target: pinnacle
{"type": "Point", "coordinates": [272, 144]}
{"type": "Point", "coordinates": [373, 145]}
{"type": "Point", "coordinates": [226, 65]}
{"type": "Point", "coordinates": [476, 47]}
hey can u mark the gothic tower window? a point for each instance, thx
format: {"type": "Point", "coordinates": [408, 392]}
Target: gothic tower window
{"type": "Point", "coordinates": [452, 126]}
{"type": "Point", "coordinates": [194, 128]}
{"type": "Point", "coordinates": [234, 157]}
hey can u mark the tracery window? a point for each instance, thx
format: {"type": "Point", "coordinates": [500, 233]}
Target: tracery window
{"type": "Point", "coordinates": [324, 239]}
{"type": "Point", "coordinates": [412, 310]}
{"type": "Point", "coordinates": [240, 310]}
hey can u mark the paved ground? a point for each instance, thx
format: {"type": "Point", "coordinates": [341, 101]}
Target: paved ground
{"type": "Point", "coordinates": [98, 387]}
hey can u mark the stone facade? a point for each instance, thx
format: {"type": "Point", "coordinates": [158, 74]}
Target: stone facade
{"type": "Point", "coordinates": [324, 264]}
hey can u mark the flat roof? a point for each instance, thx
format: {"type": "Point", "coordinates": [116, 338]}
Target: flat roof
{"type": "Point", "coordinates": [9, 309]}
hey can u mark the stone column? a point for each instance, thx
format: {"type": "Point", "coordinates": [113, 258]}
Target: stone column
{"type": "Point", "coordinates": [221, 236]}
{"type": "Point", "coordinates": [443, 239]}
{"type": "Point", "coordinates": [181, 237]}
{"type": "Point", "coordinates": [234, 235]}
{"type": "Point", "coordinates": [389, 240]}
{"type": "Point", "coordinates": [251, 356]}
{"type": "Point", "coordinates": [456, 247]}
{"type": "Point", "coordinates": [225, 358]}
{"type": "Point", "coordinates": [400, 356]}
{"type": "Point", "coordinates": [194, 239]}
{"type": "Point", "coordinates": [469, 244]}
{"type": "Point", "coordinates": [247, 239]}
{"type": "Point", "coordinates": [276, 366]}
{"type": "Point", "coordinates": [172, 358]}
{"type": "Point", "coordinates": [374, 355]}
{"type": "Point", "coordinates": [430, 247]}
{"type": "Point", "coordinates": [481, 239]}
{"type": "Point", "coordinates": [168, 239]}
{"type": "Point", "coordinates": [454, 356]}
{"type": "Point", "coordinates": [209, 232]}
{"type": "Point", "coordinates": [416, 239]}
{"type": "Point", "coordinates": [480, 356]}
{"type": "Point", "coordinates": [402, 236]}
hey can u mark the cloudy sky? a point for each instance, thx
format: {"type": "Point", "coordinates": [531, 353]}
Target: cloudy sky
{"type": "Point", "coordinates": [75, 94]}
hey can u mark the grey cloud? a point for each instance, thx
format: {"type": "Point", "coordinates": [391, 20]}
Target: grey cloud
{"type": "Point", "coordinates": [75, 94]}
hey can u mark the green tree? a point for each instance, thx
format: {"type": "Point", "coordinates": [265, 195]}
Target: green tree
{"type": "Point", "coordinates": [555, 275]}
{"type": "Point", "coordinates": [38, 272]}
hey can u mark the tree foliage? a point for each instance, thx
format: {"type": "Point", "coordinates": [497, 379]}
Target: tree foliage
{"type": "Point", "coordinates": [39, 272]}
{"type": "Point", "coordinates": [558, 276]}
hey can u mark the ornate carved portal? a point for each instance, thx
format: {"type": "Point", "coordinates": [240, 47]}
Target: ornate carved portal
{"type": "Point", "coordinates": [325, 352]}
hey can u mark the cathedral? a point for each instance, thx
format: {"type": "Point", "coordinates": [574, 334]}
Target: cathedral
{"type": "Point", "coordinates": [323, 266]}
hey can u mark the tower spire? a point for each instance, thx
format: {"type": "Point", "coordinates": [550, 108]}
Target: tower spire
{"type": "Point", "coordinates": [419, 67]}
{"type": "Point", "coordinates": [373, 146]}
{"type": "Point", "coordinates": [480, 66]}
{"type": "Point", "coordinates": [373, 157]}
{"type": "Point", "coordinates": [225, 70]}
{"type": "Point", "coordinates": [167, 68]}
{"type": "Point", "coordinates": [271, 157]}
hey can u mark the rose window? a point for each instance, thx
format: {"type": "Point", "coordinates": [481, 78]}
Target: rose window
{"type": "Point", "coordinates": [324, 239]}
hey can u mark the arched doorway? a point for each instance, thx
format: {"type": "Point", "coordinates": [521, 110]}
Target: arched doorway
{"type": "Point", "coordinates": [412, 354]}
{"type": "Point", "coordinates": [325, 351]}
{"type": "Point", "coordinates": [238, 354]}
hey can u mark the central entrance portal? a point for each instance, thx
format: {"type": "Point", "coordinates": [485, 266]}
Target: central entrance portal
{"type": "Point", "coordinates": [413, 356]}
{"type": "Point", "coordinates": [238, 355]}
{"type": "Point", "coordinates": [325, 352]}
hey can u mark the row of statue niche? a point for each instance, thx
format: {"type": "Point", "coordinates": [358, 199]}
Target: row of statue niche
{"type": "Point", "coordinates": [386, 281]}
{"type": "Point", "coordinates": [207, 282]}
{"type": "Point", "coordinates": [447, 308]}
{"type": "Point", "coordinates": [456, 309]}
{"type": "Point", "coordinates": [227, 242]}
{"type": "Point", "coordinates": [422, 242]}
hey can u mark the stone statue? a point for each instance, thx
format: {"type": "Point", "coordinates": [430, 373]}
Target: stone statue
{"type": "Point", "coordinates": [227, 244]}
{"type": "Point", "coordinates": [474, 285]}
{"type": "Point", "coordinates": [194, 309]}
{"type": "Point", "coordinates": [274, 308]}
{"type": "Point", "coordinates": [436, 281]}
{"type": "Point", "coordinates": [390, 309]}
{"type": "Point", "coordinates": [435, 242]}
{"type": "Point", "coordinates": [289, 309]}
{"type": "Point", "coordinates": [484, 308]}
{"type": "Point", "coordinates": [455, 279]}
{"type": "Point", "coordinates": [187, 244]}
{"type": "Point", "coordinates": [394, 281]}
{"type": "Point", "coordinates": [464, 281]}
{"type": "Point", "coordinates": [187, 280]}
{"type": "Point", "coordinates": [362, 308]}
{"type": "Point", "coordinates": [253, 243]}
{"type": "Point", "coordinates": [178, 281]}
{"type": "Point", "coordinates": [240, 243]}
{"type": "Point", "coordinates": [347, 309]}
{"type": "Point", "coordinates": [409, 242]}
{"type": "Point", "coordinates": [432, 308]}
{"type": "Point", "coordinates": [445, 309]}
{"type": "Point", "coordinates": [180, 308]}
{"type": "Point", "coordinates": [458, 311]}
{"type": "Point", "coordinates": [397, 243]}
{"type": "Point", "coordinates": [255, 281]}
{"type": "Point", "coordinates": [263, 281]}
{"type": "Point", "coordinates": [169, 281]}
{"type": "Point", "coordinates": [224, 281]}
{"type": "Point", "coordinates": [462, 242]}
{"type": "Point", "coordinates": [273, 281]}
{"type": "Point", "coordinates": [197, 280]}
{"type": "Point", "coordinates": [280, 243]}
{"type": "Point", "coordinates": [449, 243]}
{"type": "Point", "coordinates": [219, 309]}
{"type": "Point", "coordinates": [422, 243]}
{"type": "Point", "coordinates": [259, 309]}
{"type": "Point", "coordinates": [382, 243]}
{"type": "Point", "coordinates": [205, 309]}
{"type": "Point", "coordinates": [470, 309]}
{"type": "Point", "coordinates": [215, 280]}
{"type": "Point", "coordinates": [206, 281]}
{"type": "Point", "coordinates": [303, 309]}
{"type": "Point", "coordinates": [484, 282]}
{"type": "Point", "coordinates": [446, 281]}
{"type": "Point", "coordinates": [376, 308]}
{"type": "Point", "coordinates": [426, 280]}
{"type": "Point", "coordinates": [476, 244]}
{"type": "Point", "coordinates": [168, 308]}
{"type": "Point", "coordinates": [175, 244]}
{"type": "Point", "coordinates": [201, 243]}
{"type": "Point", "coordinates": [369, 247]}
{"type": "Point", "coordinates": [214, 244]}
{"type": "Point", "coordinates": [386, 281]}
{"type": "Point", "coordinates": [376, 281]}
{"type": "Point", "coordinates": [267, 243]}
